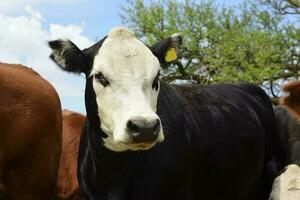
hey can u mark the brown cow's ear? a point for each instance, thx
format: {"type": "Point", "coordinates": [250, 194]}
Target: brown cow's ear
{"type": "Point", "coordinates": [167, 50]}
{"type": "Point", "coordinates": [68, 56]}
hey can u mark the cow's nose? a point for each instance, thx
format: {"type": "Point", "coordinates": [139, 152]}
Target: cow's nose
{"type": "Point", "coordinates": [142, 130]}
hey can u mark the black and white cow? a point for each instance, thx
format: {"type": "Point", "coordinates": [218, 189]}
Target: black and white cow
{"type": "Point", "coordinates": [145, 139]}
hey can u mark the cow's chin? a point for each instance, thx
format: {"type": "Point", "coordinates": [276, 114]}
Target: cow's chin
{"type": "Point", "coordinates": [141, 146]}
{"type": "Point", "coordinates": [119, 146]}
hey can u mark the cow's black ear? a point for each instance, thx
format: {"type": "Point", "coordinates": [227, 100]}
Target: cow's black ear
{"type": "Point", "coordinates": [68, 56]}
{"type": "Point", "coordinates": [167, 50]}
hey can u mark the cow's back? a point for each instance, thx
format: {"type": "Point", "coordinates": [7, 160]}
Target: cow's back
{"type": "Point", "coordinates": [30, 137]}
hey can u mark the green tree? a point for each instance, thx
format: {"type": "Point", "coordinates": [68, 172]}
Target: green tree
{"type": "Point", "coordinates": [284, 7]}
{"type": "Point", "coordinates": [289, 10]}
{"type": "Point", "coordinates": [249, 43]}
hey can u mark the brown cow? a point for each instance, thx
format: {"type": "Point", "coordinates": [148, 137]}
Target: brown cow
{"type": "Point", "coordinates": [30, 134]}
{"type": "Point", "coordinates": [67, 183]}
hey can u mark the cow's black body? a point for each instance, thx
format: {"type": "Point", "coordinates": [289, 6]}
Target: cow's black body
{"type": "Point", "coordinates": [218, 141]}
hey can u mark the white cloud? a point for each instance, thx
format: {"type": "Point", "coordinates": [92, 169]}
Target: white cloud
{"type": "Point", "coordinates": [72, 32]}
{"type": "Point", "coordinates": [33, 13]}
{"type": "Point", "coordinates": [23, 39]}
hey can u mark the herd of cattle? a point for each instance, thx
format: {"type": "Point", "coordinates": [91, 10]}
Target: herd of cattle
{"type": "Point", "coordinates": [142, 138]}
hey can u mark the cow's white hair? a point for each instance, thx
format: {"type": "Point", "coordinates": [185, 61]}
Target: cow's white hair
{"type": "Point", "coordinates": [130, 67]}
{"type": "Point", "coordinates": [58, 53]}
{"type": "Point", "coordinates": [287, 185]}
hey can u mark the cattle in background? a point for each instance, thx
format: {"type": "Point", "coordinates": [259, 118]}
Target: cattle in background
{"type": "Point", "coordinates": [288, 119]}
{"type": "Point", "coordinates": [67, 183]}
{"type": "Point", "coordinates": [30, 134]}
{"type": "Point", "coordinates": [145, 139]}
{"type": "Point", "coordinates": [287, 185]}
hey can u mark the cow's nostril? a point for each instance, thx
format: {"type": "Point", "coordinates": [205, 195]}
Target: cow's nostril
{"type": "Point", "coordinates": [132, 126]}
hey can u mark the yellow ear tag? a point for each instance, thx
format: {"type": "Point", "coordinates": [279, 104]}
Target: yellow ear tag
{"type": "Point", "coordinates": [170, 55]}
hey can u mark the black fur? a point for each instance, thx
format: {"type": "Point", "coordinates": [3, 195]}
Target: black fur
{"type": "Point", "coordinates": [289, 131]}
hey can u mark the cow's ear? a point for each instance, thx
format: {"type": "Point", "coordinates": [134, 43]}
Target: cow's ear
{"type": "Point", "coordinates": [68, 56]}
{"type": "Point", "coordinates": [167, 50]}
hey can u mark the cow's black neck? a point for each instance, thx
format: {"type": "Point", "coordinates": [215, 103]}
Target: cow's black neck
{"type": "Point", "coordinates": [109, 171]}
{"type": "Point", "coordinates": [107, 161]}
{"type": "Point", "coordinates": [112, 172]}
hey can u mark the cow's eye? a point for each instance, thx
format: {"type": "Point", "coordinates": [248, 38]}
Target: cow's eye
{"type": "Point", "coordinates": [155, 81]}
{"type": "Point", "coordinates": [100, 77]}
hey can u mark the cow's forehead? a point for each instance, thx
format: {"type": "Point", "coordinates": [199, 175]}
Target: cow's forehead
{"type": "Point", "coordinates": [122, 54]}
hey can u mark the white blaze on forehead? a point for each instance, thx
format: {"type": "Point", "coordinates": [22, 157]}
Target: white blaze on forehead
{"type": "Point", "coordinates": [122, 57]}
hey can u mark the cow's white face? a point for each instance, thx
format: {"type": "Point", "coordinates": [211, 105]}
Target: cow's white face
{"type": "Point", "coordinates": [125, 80]}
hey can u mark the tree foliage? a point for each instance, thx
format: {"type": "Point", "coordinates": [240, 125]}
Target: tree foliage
{"type": "Point", "coordinates": [249, 43]}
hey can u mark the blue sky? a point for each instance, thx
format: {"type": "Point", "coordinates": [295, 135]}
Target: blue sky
{"type": "Point", "coordinates": [27, 25]}
{"type": "Point", "coordinates": [96, 16]}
